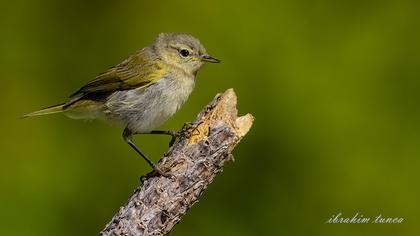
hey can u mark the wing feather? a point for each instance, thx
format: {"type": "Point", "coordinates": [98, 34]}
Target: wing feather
{"type": "Point", "coordinates": [138, 70]}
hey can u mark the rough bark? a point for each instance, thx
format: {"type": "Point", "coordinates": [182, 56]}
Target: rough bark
{"type": "Point", "coordinates": [188, 168]}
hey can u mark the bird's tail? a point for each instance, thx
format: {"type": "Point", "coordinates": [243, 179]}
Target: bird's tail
{"type": "Point", "coordinates": [45, 111]}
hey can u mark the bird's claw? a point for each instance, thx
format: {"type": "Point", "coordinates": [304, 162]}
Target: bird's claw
{"type": "Point", "coordinates": [189, 127]}
{"type": "Point", "coordinates": [155, 173]}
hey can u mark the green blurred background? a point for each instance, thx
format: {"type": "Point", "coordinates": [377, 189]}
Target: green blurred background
{"type": "Point", "coordinates": [334, 87]}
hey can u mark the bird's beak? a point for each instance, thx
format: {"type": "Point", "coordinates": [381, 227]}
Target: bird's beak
{"type": "Point", "coordinates": [207, 58]}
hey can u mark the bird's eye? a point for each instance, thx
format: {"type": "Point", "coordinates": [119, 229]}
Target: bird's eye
{"type": "Point", "coordinates": [184, 53]}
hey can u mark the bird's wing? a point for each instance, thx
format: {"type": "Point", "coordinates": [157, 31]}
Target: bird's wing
{"type": "Point", "coordinates": [134, 72]}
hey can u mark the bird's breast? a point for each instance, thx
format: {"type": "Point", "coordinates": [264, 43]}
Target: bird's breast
{"type": "Point", "coordinates": [144, 109]}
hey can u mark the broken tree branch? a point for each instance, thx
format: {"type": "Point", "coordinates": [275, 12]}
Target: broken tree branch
{"type": "Point", "coordinates": [188, 168]}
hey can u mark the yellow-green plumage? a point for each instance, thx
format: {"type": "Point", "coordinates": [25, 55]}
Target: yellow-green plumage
{"type": "Point", "coordinates": [134, 72]}
{"type": "Point", "coordinates": [142, 91]}
{"type": "Point", "coordinates": [45, 111]}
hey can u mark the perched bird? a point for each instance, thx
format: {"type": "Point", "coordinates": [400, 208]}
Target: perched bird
{"type": "Point", "coordinates": [143, 91]}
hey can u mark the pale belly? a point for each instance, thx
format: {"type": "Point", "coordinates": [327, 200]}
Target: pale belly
{"type": "Point", "coordinates": [145, 109]}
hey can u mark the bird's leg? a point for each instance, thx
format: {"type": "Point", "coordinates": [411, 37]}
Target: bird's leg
{"type": "Point", "coordinates": [174, 134]}
{"type": "Point", "coordinates": [128, 137]}
{"type": "Point", "coordinates": [187, 128]}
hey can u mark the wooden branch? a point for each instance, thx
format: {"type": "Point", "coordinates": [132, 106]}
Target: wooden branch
{"type": "Point", "coordinates": [189, 167]}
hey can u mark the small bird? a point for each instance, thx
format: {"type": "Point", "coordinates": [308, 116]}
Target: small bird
{"type": "Point", "coordinates": [143, 91]}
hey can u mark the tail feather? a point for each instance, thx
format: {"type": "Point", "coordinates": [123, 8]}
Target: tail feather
{"type": "Point", "coordinates": [45, 111]}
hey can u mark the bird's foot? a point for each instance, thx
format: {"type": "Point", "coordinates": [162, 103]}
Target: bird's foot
{"type": "Point", "coordinates": [155, 173]}
{"type": "Point", "coordinates": [189, 128]}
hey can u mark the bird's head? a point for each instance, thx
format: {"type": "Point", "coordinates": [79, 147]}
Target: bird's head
{"type": "Point", "coordinates": [183, 51]}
